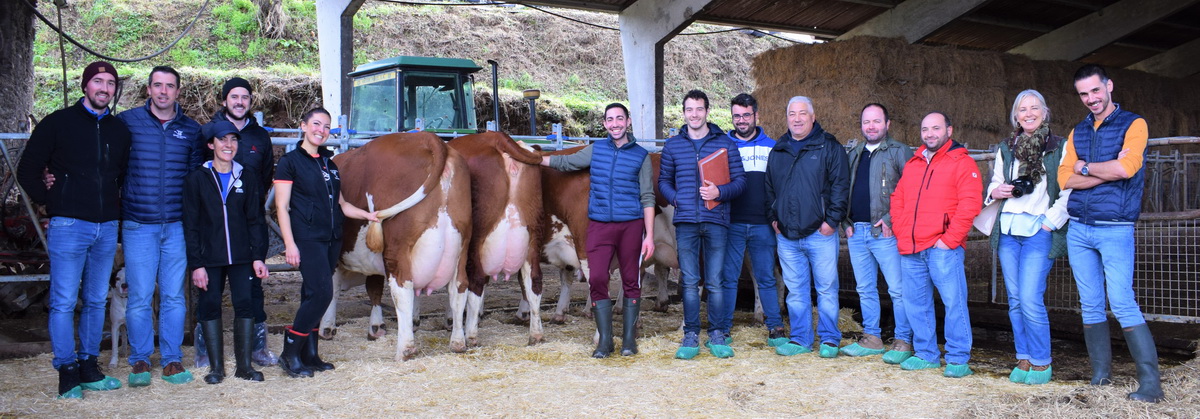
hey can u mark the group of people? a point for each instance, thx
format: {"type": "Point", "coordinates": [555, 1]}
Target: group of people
{"type": "Point", "coordinates": [904, 213]}
{"type": "Point", "coordinates": [143, 175]}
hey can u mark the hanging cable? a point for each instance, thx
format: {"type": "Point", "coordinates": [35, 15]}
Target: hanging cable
{"type": "Point", "coordinates": [106, 57]}
{"type": "Point", "coordinates": [62, 55]}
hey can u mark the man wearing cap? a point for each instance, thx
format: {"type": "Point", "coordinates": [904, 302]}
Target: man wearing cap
{"type": "Point", "coordinates": [86, 149]}
{"type": "Point", "coordinates": [254, 155]}
{"type": "Point", "coordinates": [164, 149]}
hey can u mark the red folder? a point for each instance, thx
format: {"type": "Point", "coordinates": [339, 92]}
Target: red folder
{"type": "Point", "coordinates": [715, 169]}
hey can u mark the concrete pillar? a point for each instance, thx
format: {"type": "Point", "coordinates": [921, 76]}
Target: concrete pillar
{"type": "Point", "coordinates": [1179, 62]}
{"type": "Point", "coordinates": [913, 20]}
{"type": "Point", "coordinates": [1081, 37]}
{"type": "Point", "coordinates": [335, 43]}
{"type": "Point", "coordinates": [646, 26]}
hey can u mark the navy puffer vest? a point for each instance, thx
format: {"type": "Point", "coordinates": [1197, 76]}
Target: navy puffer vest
{"type": "Point", "coordinates": [615, 193]}
{"type": "Point", "coordinates": [1110, 202]}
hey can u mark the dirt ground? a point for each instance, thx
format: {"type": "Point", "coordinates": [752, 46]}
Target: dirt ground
{"type": "Point", "coordinates": [505, 377]}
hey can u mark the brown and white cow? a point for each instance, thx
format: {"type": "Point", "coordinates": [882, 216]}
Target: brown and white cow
{"type": "Point", "coordinates": [506, 192]}
{"type": "Point", "coordinates": [421, 189]}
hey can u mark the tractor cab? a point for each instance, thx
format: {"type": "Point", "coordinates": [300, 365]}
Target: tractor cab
{"type": "Point", "coordinates": [391, 95]}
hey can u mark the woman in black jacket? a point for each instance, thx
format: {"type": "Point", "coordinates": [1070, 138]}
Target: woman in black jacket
{"type": "Point", "coordinates": [309, 206]}
{"type": "Point", "coordinates": [226, 239]}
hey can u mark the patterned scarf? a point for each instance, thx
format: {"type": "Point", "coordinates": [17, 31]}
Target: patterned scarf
{"type": "Point", "coordinates": [1028, 149]}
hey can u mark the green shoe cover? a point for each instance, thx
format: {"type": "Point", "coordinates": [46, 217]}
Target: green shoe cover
{"type": "Point", "coordinates": [828, 351]}
{"type": "Point", "coordinates": [790, 348]}
{"type": "Point", "coordinates": [74, 393]}
{"type": "Point", "coordinates": [139, 380]}
{"type": "Point", "coordinates": [721, 351]}
{"type": "Point", "coordinates": [181, 378]}
{"type": "Point", "coordinates": [854, 349]}
{"type": "Point", "coordinates": [896, 357]}
{"type": "Point", "coordinates": [957, 371]}
{"type": "Point", "coordinates": [916, 363]}
{"type": "Point", "coordinates": [108, 383]}
{"type": "Point", "coordinates": [1018, 375]}
{"type": "Point", "coordinates": [1036, 377]}
{"type": "Point", "coordinates": [777, 342]}
{"type": "Point", "coordinates": [687, 352]}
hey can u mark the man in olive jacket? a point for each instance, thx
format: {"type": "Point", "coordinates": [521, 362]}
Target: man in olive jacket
{"type": "Point", "coordinates": [808, 183]}
{"type": "Point", "coordinates": [876, 163]}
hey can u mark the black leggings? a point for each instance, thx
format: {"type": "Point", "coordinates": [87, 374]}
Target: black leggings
{"type": "Point", "coordinates": [317, 260]}
{"type": "Point", "coordinates": [241, 282]}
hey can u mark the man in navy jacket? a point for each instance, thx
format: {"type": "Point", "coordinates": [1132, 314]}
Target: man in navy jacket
{"type": "Point", "coordinates": [698, 228]}
{"type": "Point", "coordinates": [164, 150]}
{"type": "Point", "coordinates": [808, 186]}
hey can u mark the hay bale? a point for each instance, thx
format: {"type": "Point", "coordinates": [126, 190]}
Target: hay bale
{"type": "Point", "coordinates": [975, 87]}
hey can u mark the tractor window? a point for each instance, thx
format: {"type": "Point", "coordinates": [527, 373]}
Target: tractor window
{"type": "Point", "coordinates": [433, 97]}
{"type": "Point", "coordinates": [374, 103]}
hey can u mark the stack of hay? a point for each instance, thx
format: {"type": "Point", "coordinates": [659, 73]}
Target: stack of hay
{"type": "Point", "coordinates": [975, 88]}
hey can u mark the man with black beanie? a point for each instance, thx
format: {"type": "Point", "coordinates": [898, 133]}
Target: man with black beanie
{"type": "Point", "coordinates": [255, 155]}
{"type": "Point", "coordinates": [85, 150]}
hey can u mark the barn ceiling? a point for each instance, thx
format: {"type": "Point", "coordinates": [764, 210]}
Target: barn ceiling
{"type": "Point", "coordinates": [1158, 36]}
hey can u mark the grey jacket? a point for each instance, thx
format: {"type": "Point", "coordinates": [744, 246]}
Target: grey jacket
{"type": "Point", "coordinates": [887, 163]}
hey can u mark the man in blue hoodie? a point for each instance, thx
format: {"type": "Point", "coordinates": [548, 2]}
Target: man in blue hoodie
{"type": "Point", "coordinates": [808, 186]}
{"type": "Point", "coordinates": [698, 228]}
{"type": "Point", "coordinates": [164, 150]}
{"type": "Point", "coordinates": [749, 230]}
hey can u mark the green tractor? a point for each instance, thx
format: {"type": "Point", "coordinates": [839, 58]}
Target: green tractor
{"type": "Point", "coordinates": [392, 95]}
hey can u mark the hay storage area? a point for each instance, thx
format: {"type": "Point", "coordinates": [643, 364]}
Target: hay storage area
{"type": "Point", "coordinates": [505, 377]}
{"type": "Point", "coordinates": [976, 89]}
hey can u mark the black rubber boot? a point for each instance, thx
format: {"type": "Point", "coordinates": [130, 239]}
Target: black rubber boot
{"type": "Point", "coordinates": [68, 382]}
{"type": "Point", "coordinates": [1145, 358]}
{"type": "Point", "coordinates": [603, 313]}
{"type": "Point", "coordinates": [214, 344]}
{"type": "Point", "coordinates": [629, 330]}
{"type": "Point", "coordinates": [243, 346]}
{"type": "Point", "coordinates": [312, 357]}
{"type": "Point", "coordinates": [289, 360]}
{"type": "Point", "coordinates": [1099, 347]}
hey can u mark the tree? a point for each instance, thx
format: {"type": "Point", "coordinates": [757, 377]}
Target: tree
{"type": "Point", "coordinates": [16, 69]}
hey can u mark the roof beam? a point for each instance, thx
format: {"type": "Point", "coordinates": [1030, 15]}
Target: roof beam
{"type": "Point", "coordinates": [1081, 37]}
{"type": "Point", "coordinates": [914, 19]}
{"type": "Point", "coordinates": [1179, 62]}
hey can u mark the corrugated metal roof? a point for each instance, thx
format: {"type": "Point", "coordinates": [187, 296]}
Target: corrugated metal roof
{"type": "Point", "coordinates": [998, 25]}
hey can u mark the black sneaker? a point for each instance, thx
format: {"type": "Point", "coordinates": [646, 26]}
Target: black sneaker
{"type": "Point", "coordinates": [92, 379]}
{"type": "Point", "coordinates": [68, 382]}
{"type": "Point", "coordinates": [777, 336]}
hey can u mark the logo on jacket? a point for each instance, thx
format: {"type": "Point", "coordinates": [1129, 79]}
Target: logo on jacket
{"type": "Point", "coordinates": [335, 175]}
{"type": "Point", "coordinates": [179, 134]}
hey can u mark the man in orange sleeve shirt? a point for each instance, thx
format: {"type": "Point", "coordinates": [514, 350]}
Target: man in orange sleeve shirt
{"type": "Point", "coordinates": [1103, 167]}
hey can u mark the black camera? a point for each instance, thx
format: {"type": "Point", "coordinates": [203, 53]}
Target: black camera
{"type": "Point", "coordinates": [1022, 186]}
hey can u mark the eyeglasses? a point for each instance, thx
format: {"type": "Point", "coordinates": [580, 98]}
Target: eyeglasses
{"type": "Point", "coordinates": [747, 115]}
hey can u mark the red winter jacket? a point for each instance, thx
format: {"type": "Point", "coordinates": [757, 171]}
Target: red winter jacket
{"type": "Point", "coordinates": [936, 199]}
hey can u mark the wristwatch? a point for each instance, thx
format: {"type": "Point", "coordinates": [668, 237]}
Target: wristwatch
{"type": "Point", "coordinates": [1084, 170]}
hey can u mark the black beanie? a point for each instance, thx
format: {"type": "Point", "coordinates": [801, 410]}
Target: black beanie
{"type": "Point", "coordinates": [96, 68]}
{"type": "Point", "coordinates": [232, 83]}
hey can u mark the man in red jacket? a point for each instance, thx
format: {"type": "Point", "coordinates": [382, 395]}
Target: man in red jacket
{"type": "Point", "coordinates": [938, 196]}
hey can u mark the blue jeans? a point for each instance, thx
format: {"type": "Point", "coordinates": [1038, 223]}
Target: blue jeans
{"type": "Point", "coordinates": [868, 256]}
{"type": "Point", "coordinates": [943, 269]}
{"type": "Point", "coordinates": [1025, 265]}
{"type": "Point", "coordinates": [692, 238]}
{"type": "Point", "coordinates": [81, 258]}
{"type": "Point", "coordinates": [1102, 260]}
{"type": "Point", "coordinates": [759, 240]}
{"type": "Point", "coordinates": [154, 255]}
{"type": "Point", "coordinates": [811, 260]}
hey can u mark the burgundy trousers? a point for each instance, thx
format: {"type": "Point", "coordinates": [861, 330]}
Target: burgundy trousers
{"type": "Point", "coordinates": [622, 240]}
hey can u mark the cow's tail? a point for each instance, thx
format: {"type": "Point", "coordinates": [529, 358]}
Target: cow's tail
{"type": "Point", "coordinates": [524, 154]}
{"type": "Point", "coordinates": [436, 169]}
